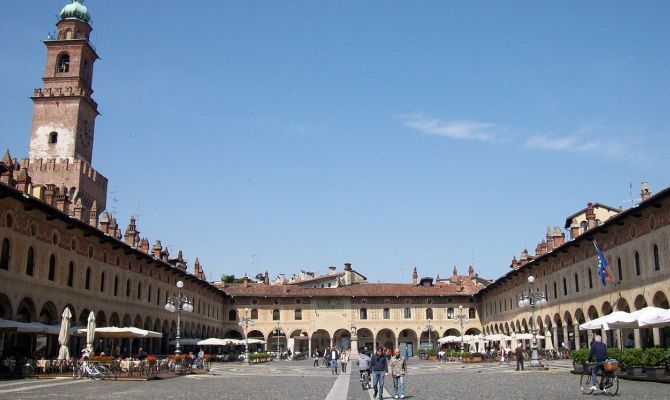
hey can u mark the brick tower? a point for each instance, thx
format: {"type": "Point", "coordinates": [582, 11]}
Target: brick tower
{"type": "Point", "coordinates": [61, 140]}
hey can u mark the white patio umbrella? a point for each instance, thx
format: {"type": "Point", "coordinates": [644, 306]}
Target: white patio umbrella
{"type": "Point", "coordinates": [449, 339]}
{"type": "Point", "coordinates": [528, 336]}
{"type": "Point", "coordinates": [251, 341]}
{"type": "Point", "coordinates": [618, 317]}
{"type": "Point", "coordinates": [652, 317]}
{"type": "Point", "coordinates": [64, 335]}
{"type": "Point", "coordinates": [497, 337]}
{"type": "Point", "coordinates": [90, 333]}
{"type": "Point", "coordinates": [548, 343]}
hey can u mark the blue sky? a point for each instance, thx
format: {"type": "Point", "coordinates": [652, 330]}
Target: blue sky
{"type": "Point", "coordinates": [295, 135]}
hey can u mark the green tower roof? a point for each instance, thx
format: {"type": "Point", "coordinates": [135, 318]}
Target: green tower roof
{"type": "Point", "coordinates": [75, 10]}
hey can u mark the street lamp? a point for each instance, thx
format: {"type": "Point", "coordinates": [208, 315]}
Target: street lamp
{"type": "Point", "coordinates": [278, 331]}
{"type": "Point", "coordinates": [463, 319]}
{"type": "Point", "coordinates": [430, 328]}
{"type": "Point", "coordinates": [246, 322]}
{"type": "Point", "coordinates": [177, 303]}
{"type": "Point", "coordinates": [533, 298]}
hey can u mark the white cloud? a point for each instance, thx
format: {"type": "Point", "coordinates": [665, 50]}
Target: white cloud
{"type": "Point", "coordinates": [462, 129]}
{"type": "Point", "coordinates": [577, 144]}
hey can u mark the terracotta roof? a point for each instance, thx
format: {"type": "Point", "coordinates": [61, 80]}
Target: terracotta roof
{"type": "Point", "coordinates": [357, 290]}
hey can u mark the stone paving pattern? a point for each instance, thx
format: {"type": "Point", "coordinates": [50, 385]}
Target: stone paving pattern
{"type": "Point", "coordinates": [299, 380]}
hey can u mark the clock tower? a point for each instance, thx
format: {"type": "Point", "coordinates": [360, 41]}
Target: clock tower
{"type": "Point", "coordinates": [64, 113]}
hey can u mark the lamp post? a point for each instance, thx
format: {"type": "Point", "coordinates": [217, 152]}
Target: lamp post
{"type": "Point", "coordinates": [430, 328]}
{"type": "Point", "coordinates": [245, 322]}
{"type": "Point", "coordinates": [463, 319]}
{"type": "Point", "coordinates": [532, 298]}
{"type": "Point", "coordinates": [278, 331]}
{"type": "Point", "coordinates": [177, 303]}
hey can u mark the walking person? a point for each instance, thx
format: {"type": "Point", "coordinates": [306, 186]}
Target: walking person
{"type": "Point", "coordinates": [344, 359]}
{"type": "Point", "coordinates": [379, 366]}
{"type": "Point", "coordinates": [398, 371]}
{"type": "Point", "coordinates": [519, 357]}
{"type": "Point", "coordinates": [334, 359]}
{"type": "Point", "coordinates": [315, 357]}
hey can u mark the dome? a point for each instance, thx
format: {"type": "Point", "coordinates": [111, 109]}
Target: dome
{"type": "Point", "coordinates": [75, 10]}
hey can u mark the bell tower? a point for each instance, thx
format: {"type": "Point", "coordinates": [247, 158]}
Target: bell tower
{"type": "Point", "coordinates": [64, 113]}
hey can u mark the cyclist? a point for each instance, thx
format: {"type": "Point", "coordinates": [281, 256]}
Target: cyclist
{"type": "Point", "coordinates": [364, 363]}
{"type": "Point", "coordinates": [599, 352]}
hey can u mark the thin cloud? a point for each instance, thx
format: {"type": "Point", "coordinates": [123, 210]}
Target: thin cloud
{"type": "Point", "coordinates": [577, 144]}
{"type": "Point", "coordinates": [461, 129]}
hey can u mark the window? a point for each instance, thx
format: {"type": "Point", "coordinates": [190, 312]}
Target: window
{"type": "Point", "coordinates": [387, 313]}
{"type": "Point", "coordinates": [102, 282]}
{"type": "Point", "coordinates": [4, 254]}
{"type": "Point", "coordinates": [158, 296]}
{"type": "Point", "coordinates": [63, 63]}
{"type": "Point", "coordinates": [429, 313]}
{"type": "Point", "coordinates": [555, 291]}
{"type": "Point", "coordinates": [363, 313]}
{"type": "Point", "coordinates": [590, 279]}
{"type": "Point", "coordinates": [637, 264]}
{"type": "Point", "coordinates": [472, 313]}
{"type": "Point", "coordinates": [408, 313]}
{"type": "Point", "coordinates": [53, 137]}
{"type": "Point", "coordinates": [116, 287]}
{"type": "Point", "coordinates": [254, 314]}
{"type": "Point", "coordinates": [657, 259]}
{"type": "Point", "coordinates": [275, 315]}
{"type": "Point", "coordinates": [576, 283]}
{"type": "Point", "coordinates": [52, 268]}
{"type": "Point", "coordinates": [619, 269]}
{"type": "Point", "coordinates": [139, 290]}
{"type": "Point", "coordinates": [70, 274]}
{"type": "Point", "coordinates": [149, 295]}
{"type": "Point", "coordinates": [450, 313]}
{"type": "Point", "coordinates": [565, 287]}
{"type": "Point", "coordinates": [87, 279]}
{"type": "Point", "coordinates": [128, 288]}
{"type": "Point", "coordinates": [30, 262]}
{"type": "Point", "coordinates": [583, 227]}
{"type": "Point", "coordinates": [298, 315]}
{"type": "Point", "coordinates": [232, 315]}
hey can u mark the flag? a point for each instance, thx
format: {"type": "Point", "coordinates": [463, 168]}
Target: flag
{"type": "Point", "coordinates": [603, 268]}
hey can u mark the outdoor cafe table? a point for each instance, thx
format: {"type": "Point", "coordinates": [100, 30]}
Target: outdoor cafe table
{"type": "Point", "coordinates": [130, 365]}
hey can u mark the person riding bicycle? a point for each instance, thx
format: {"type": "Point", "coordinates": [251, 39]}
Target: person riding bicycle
{"type": "Point", "coordinates": [364, 363]}
{"type": "Point", "coordinates": [599, 352]}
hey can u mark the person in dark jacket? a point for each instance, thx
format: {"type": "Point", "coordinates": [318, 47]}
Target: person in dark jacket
{"type": "Point", "coordinates": [519, 357]}
{"type": "Point", "coordinates": [599, 352]}
{"type": "Point", "coordinates": [379, 367]}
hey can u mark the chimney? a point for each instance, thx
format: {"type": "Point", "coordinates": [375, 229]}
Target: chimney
{"type": "Point", "coordinates": [332, 268]}
{"type": "Point", "coordinates": [558, 237]}
{"type": "Point", "coordinates": [454, 272]}
{"type": "Point", "coordinates": [266, 278]}
{"type": "Point", "coordinates": [144, 245]}
{"type": "Point", "coordinates": [7, 177]}
{"type": "Point", "coordinates": [78, 209]}
{"type": "Point", "coordinates": [415, 277]}
{"type": "Point", "coordinates": [130, 237]}
{"type": "Point", "coordinates": [23, 181]}
{"type": "Point", "coordinates": [590, 216]}
{"type": "Point", "coordinates": [157, 249]}
{"type": "Point", "coordinates": [93, 215]}
{"type": "Point", "coordinates": [471, 271]}
{"type": "Point", "coordinates": [49, 193]}
{"type": "Point", "coordinates": [246, 280]}
{"type": "Point", "coordinates": [348, 275]}
{"type": "Point", "coordinates": [347, 266]}
{"type": "Point", "coordinates": [574, 229]}
{"type": "Point", "coordinates": [62, 200]}
{"type": "Point", "coordinates": [645, 191]}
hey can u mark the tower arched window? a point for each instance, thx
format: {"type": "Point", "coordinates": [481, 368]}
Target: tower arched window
{"type": "Point", "coordinates": [139, 290]}
{"type": "Point", "coordinates": [387, 313]}
{"type": "Point", "coordinates": [30, 263]}
{"type": "Point", "coordinates": [63, 63]}
{"type": "Point", "coordinates": [70, 274]}
{"type": "Point", "coordinates": [472, 313]}
{"type": "Point", "coordinates": [450, 313]}
{"type": "Point", "coordinates": [232, 315]}
{"type": "Point", "coordinates": [254, 314]}
{"type": "Point", "coordinates": [275, 315]}
{"type": "Point", "coordinates": [408, 313]}
{"type": "Point", "coordinates": [619, 269]}
{"type": "Point", "coordinates": [87, 279]}
{"type": "Point", "coordinates": [298, 315]}
{"type": "Point", "coordinates": [638, 271]}
{"type": "Point", "coordinates": [565, 287]}
{"type": "Point", "coordinates": [102, 282]}
{"type": "Point", "coordinates": [116, 286]}
{"type": "Point", "coordinates": [590, 280]}
{"type": "Point", "coordinates": [128, 288]}
{"type": "Point", "coordinates": [429, 313]}
{"type": "Point", "coordinates": [363, 313]}
{"type": "Point", "coordinates": [576, 283]}
{"type": "Point", "coordinates": [53, 137]}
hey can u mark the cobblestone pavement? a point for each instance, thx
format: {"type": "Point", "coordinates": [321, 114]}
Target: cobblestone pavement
{"type": "Point", "coordinates": [299, 380]}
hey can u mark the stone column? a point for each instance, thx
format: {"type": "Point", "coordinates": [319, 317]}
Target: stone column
{"type": "Point", "coordinates": [638, 338]}
{"type": "Point", "coordinates": [578, 340]}
{"type": "Point", "coordinates": [554, 332]}
{"type": "Point", "coordinates": [309, 346]}
{"type": "Point", "coordinates": [656, 332]}
{"type": "Point", "coordinates": [566, 338]}
{"type": "Point", "coordinates": [354, 343]}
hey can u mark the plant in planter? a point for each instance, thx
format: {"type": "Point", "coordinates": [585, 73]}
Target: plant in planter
{"type": "Point", "coordinates": [432, 353]}
{"type": "Point", "coordinates": [465, 356]}
{"type": "Point", "coordinates": [613, 352]}
{"type": "Point", "coordinates": [654, 361]}
{"type": "Point", "coordinates": [633, 360]}
{"type": "Point", "coordinates": [476, 357]}
{"type": "Point", "coordinates": [579, 358]}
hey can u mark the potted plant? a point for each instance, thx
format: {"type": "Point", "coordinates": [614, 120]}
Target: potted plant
{"type": "Point", "coordinates": [432, 354]}
{"type": "Point", "coordinates": [654, 362]}
{"type": "Point", "coordinates": [579, 358]}
{"type": "Point", "coordinates": [465, 356]}
{"type": "Point", "coordinates": [476, 357]}
{"type": "Point", "coordinates": [633, 360]}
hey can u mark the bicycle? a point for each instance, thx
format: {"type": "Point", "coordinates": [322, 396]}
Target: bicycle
{"type": "Point", "coordinates": [609, 382]}
{"type": "Point", "coordinates": [365, 380]}
{"type": "Point", "coordinates": [28, 370]}
{"type": "Point", "coordinates": [92, 371]}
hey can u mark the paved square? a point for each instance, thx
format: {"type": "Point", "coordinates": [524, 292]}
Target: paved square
{"type": "Point", "coordinates": [299, 380]}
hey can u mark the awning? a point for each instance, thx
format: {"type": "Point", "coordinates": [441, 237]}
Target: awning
{"type": "Point", "coordinates": [128, 332]}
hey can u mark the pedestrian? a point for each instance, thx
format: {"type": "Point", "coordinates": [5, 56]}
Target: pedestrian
{"type": "Point", "coordinates": [344, 359]}
{"type": "Point", "coordinates": [315, 357]}
{"type": "Point", "coordinates": [379, 367]}
{"type": "Point", "coordinates": [334, 359]}
{"type": "Point", "coordinates": [519, 357]}
{"type": "Point", "coordinates": [398, 371]}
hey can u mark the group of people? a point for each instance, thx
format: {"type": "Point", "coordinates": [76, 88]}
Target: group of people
{"type": "Point", "coordinates": [379, 365]}
{"type": "Point", "coordinates": [332, 357]}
